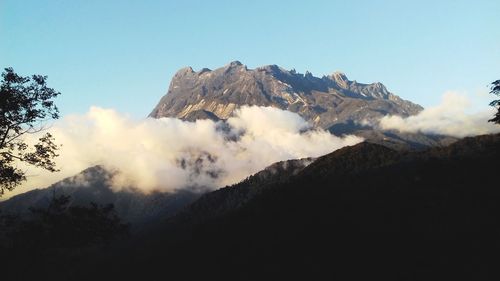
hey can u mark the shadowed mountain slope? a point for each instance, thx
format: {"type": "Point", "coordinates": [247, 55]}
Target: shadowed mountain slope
{"type": "Point", "coordinates": [93, 185]}
{"type": "Point", "coordinates": [361, 211]}
{"type": "Point", "coordinates": [357, 213]}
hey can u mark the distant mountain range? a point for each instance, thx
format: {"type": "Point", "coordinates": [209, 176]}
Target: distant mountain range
{"type": "Point", "coordinates": [331, 102]}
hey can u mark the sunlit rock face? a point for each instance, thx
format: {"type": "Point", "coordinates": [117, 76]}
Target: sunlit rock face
{"type": "Point", "coordinates": [332, 102]}
{"type": "Point", "coordinates": [324, 101]}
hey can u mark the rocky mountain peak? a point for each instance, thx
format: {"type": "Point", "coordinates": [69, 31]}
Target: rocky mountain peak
{"type": "Point", "coordinates": [203, 70]}
{"type": "Point", "coordinates": [235, 66]}
{"type": "Point", "coordinates": [271, 69]}
{"type": "Point", "coordinates": [235, 63]}
{"type": "Point", "coordinates": [326, 102]}
{"type": "Point", "coordinates": [184, 71]}
{"type": "Point", "coordinates": [340, 79]}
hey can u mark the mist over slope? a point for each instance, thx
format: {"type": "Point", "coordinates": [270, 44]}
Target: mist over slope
{"type": "Point", "coordinates": [93, 185]}
{"type": "Point", "coordinates": [332, 102]}
{"type": "Point", "coordinates": [451, 117]}
{"type": "Point", "coordinates": [405, 216]}
{"type": "Point", "coordinates": [169, 154]}
{"type": "Point", "coordinates": [402, 215]}
{"type": "Point", "coordinates": [216, 127]}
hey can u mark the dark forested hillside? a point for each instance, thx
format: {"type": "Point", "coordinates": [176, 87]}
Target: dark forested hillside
{"type": "Point", "coordinates": [359, 212]}
{"type": "Point", "coordinates": [93, 185]}
{"type": "Point", "coordinates": [362, 212]}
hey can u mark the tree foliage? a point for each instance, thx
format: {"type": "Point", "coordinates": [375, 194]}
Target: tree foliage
{"type": "Point", "coordinates": [26, 104]}
{"type": "Point", "coordinates": [54, 236]}
{"type": "Point", "coordinates": [60, 225]}
{"type": "Point", "coordinates": [495, 89]}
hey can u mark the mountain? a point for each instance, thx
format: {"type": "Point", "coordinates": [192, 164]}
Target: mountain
{"type": "Point", "coordinates": [92, 185]}
{"type": "Point", "coordinates": [359, 212]}
{"type": "Point", "coordinates": [348, 162]}
{"type": "Point", "coordinates": [232, 197]}
{"type": "Point", "coordinates": [331, 102]}
{"type": "Point", "coordinates": [325, 101]}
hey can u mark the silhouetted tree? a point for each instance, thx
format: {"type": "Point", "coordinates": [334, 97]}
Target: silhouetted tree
{"type": "Point", "coordinates": [61, 226]}
{"type": "Point", "coordinates": [495, 89]}
{"type": "Point", "coordinates": [26, 103]}
{"type": "Point", "coordinates": [48, 241]}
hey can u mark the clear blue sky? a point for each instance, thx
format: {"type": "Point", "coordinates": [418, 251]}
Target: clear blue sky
{"type": "Point", "coordinates": [122, 54]}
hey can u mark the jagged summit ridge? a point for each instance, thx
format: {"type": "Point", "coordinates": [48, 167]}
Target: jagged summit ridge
{"type": "Point", "coordinates": [324, 101]}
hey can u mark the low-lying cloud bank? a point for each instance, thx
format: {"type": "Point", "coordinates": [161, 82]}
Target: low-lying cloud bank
{"type": "Point", "coordinates": [451, 117]}
{"type": "Point", "coordinates": [169, 154]}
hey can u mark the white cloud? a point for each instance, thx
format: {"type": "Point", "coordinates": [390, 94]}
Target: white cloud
{"type": "Point", "coordinates": [168, 154]}
{"type": "Point", "coordinates": [451, 117]}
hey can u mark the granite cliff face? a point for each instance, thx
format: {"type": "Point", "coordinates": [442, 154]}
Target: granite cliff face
{"type": "Point", "coordinates": [331, 102]}
{"type": "Point", "coordinates": [325, 102]}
